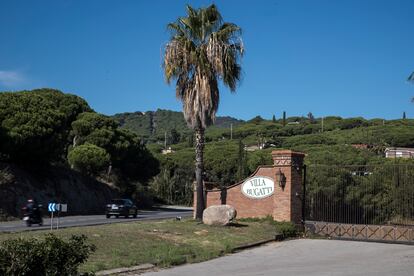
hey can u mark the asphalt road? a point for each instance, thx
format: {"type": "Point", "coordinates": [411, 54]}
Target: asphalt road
{"type": "Point", "coordinates": [72, 221]}
{"type": "Point", "coordinates": [307, 257]}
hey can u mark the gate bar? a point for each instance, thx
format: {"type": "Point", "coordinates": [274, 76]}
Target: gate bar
{"type": "Point", "coordinates": [304, 195]}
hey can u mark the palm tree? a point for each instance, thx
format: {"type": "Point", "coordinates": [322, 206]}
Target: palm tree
{"type": "Point", "coordinates": [202, 49]}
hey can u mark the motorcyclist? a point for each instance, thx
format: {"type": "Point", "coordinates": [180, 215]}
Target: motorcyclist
{"type": "Point", "coordinates": [30, 205]}
{"type": "Point", "coordinates": [32, 210]}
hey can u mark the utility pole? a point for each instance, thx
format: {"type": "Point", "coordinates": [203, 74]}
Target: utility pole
{"type": "Point", "coordinates": [322, 124]}
{"type": "Point", "coordinates": [231, 131]}
{"type": "Point", "coordinates": [165, 140]}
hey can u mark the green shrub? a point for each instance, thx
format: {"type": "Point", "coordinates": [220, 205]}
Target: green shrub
{"type": "Point", "coordinates": [267, 218]}
{"type": "Point", "coordinates": [50, 256]}
{"type": "Point", "coordinates": [286, 229]}
{"type": "Point", "coordinates": [88, 158]}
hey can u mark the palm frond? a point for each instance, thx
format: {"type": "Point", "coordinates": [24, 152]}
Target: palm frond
{"type": "Point", "coordinates": [227, 31]}
{"type": "Point", "coordinates": [411, 77]}
{"type": "Point", "coordinates": [200, 101]}
{"type": "Point", "coordinates": [175, 29]}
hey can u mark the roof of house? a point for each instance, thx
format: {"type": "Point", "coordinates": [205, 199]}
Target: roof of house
{"type": "Point", "coordinates": [399, 149]}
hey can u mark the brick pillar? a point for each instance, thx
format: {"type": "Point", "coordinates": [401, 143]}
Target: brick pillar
{"type": "Point", "coordinates": [288, 199]}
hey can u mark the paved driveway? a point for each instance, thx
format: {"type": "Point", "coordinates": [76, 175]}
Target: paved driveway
{"type": "Point", "coordinates": [307, 257]}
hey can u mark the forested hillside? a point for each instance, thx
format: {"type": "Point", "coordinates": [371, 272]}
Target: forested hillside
{"type": "Point", "coordinates": [153, 125]}
{"type": "Point", "coordinates": [48, 129]}
{"type": "Point", "coordinates": [331, 140]}
{"type": "Point", "coordinates": [45, 130]}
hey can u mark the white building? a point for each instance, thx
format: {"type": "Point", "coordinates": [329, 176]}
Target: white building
{"type": "Point", "coordinates": [399, 152]}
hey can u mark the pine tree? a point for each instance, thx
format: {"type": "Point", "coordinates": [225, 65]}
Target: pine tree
{"type": "Point", "coordinates": [311, 117]}
{"type": "Point", "coordinates": [284, 118]}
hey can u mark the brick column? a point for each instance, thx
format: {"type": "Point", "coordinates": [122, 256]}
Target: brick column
{"type": "Point", "coordinates": [288, 198]}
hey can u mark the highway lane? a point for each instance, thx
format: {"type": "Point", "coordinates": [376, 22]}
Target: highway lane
{"type": "Point", "coordinates": [73, 221]}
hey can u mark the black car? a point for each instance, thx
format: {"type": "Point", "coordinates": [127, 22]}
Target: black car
{"type": "Point", "coordinates": [121, 207]}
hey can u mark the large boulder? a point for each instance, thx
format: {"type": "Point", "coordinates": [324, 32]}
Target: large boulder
{"type": "Point", "coordinates": [219, 215]}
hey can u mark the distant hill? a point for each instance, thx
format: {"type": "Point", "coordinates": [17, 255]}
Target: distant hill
{"type": "Point", "coordinates": [152, 125]}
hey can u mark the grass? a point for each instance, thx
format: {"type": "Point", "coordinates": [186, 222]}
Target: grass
{"type": "Point", "coordinates": [162, 243]}
{"type": "Point", "coordinates": [285, 229]}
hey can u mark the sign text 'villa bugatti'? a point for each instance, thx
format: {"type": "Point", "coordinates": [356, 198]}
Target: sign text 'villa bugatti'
{"type": "Point", "coordinates": [258, 187]}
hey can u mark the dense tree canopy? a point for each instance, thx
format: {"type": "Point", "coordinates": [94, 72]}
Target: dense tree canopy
{"type": "Point", "coordinates": [89, 158]}
{"type": "Point", "coordinates": [127, 154]}
{"type": "Point", "coordinates": [34, 125]}
{"type": "Point", "coordinates": [46, 126]}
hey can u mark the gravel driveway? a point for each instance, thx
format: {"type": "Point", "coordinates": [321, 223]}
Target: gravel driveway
{"type": "Point", "coordinates": [307, 257]}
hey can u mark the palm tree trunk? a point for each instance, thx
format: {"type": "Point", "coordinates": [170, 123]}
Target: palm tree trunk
{"type": "Point", "coordinates": [199, 164]}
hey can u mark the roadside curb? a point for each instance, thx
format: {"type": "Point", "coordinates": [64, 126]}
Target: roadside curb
{"type": "Point", "coordinates": [139, 268]}
{"type": "Point", "coordinates": [174, 207]}
{"type": "Point", "coordinates": [277, 237]}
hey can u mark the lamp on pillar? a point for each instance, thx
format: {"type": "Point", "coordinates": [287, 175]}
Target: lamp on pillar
{"type": "Point", "coordinates": [281, 179]}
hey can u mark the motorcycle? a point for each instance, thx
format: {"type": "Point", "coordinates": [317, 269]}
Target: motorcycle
{"type": "Point", "coordinates": [32, 216]}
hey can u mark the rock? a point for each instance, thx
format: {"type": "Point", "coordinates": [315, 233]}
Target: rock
{"type": "Point", "coordinates": [219, 215]}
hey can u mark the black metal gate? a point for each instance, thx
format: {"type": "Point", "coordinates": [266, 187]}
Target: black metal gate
{"type": "Point", "coordinates": [373, 202]}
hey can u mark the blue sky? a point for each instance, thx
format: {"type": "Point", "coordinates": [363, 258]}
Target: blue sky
{"type": "Point", "coordinates": [345, 58]}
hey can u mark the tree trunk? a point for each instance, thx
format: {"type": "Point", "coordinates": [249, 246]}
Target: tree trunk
{"type": "Point", "coordinates": [199, 170]}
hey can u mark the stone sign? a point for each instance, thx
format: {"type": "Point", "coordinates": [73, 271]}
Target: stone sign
{"type": "Point", "coordinates": [263, 193]}
{"type": "Point", "coordinates": [258, 187]}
